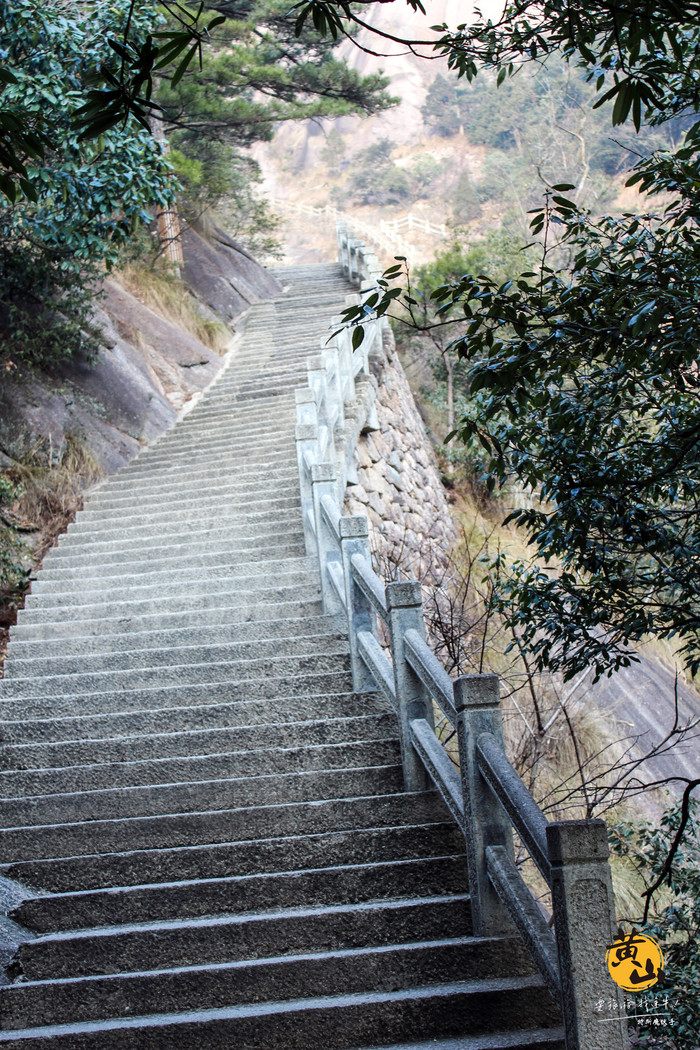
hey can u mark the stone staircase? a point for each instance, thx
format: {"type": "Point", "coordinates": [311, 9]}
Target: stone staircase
{"type": "Point", "coordinates": [206, 838]}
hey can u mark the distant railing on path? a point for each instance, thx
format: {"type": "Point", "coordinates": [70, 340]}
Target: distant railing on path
{"type": "Point", "coordinates": [486, 796]}
{"type": "Point", "coordinates": [384, 235]}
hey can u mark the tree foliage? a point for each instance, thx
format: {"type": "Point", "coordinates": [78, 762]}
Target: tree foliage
{"type": "Point", "coordinates": [376, 179]}
{"type": "Point", "coordinates": [582, 370]}
{"type": "Point", "coordinates": [673, 916]}
{"type": "Point", "coordinates": [258, 67]}
{"type": "Point", "coordinates": [255, 73]}
{"type": "Point", "coordinates": [87, 197]}
{"type": "Point", "coordinates": [588, 396]}
{"type": "Point", "coordinates": [90, 179]}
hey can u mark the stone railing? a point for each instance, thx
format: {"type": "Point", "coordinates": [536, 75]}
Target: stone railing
{"type": "Point", "coordinates": [387, 235]}
{"type": "Point", "coordinates": [485, 795]}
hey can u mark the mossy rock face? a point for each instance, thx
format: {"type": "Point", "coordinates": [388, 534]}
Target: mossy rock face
{"type": "Point", "coordinates": [111, 405]}
{"type": "Point", "coordinates": [146, 370]}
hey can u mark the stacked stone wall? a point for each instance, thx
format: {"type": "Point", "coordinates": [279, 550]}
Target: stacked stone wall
{"type": "Point", "coordinates": [398, 483]}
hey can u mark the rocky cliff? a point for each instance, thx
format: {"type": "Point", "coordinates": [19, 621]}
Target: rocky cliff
{"type": "Point", "coordinates": [147, 369]}
{"type": "Point", "coordinates": [60, 429]}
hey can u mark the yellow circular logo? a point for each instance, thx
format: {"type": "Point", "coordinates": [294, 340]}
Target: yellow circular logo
{"type": "Point", "coordinates": [635, 961]}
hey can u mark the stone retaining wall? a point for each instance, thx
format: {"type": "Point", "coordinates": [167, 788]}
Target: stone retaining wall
{"type": "Point", "coordinates": [398, 480]}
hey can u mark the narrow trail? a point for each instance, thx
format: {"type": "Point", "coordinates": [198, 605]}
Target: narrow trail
{"type": "Point", "coordinates": [206, 841]}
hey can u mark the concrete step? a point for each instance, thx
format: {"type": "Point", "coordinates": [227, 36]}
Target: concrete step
{"type": "Point", "coordinates": [227, 427]}
{"type": "Point", "coordinates": [262, 555]}
{"type": "Point", "coordinates": [267, 548]}
{"type": "Point", "coordinates": [527, 1039]}
{"type": "Point", "coordinates": [232, 418]}
{"type": "Point", "coordinates": [185, 742]}
{"type": "Point", "coordinates": [224, 406]}
{"type": "Point", "coordinates": [104, 502]}
{"type": "Point", "coordinates": [232, 494]}
{"type": "Point", "coordinates": [228, 464]}
{"type": "Point", "coordinates": [219, 579]}
{"type": "Point", "coordinates": [265, 394]}
{"type": "Point", "coordinates": [325, 1023]}
{"type": "Point", "coordinates": [239, 895]}
{"type": "Point", "coordinates": [195, 533]}
{"type": "Point", "coordinates": [201, 716]}
{"type": "Point", "coordinates": [256, 387]}
{"type": "Point", "coordinates": [241, 550]}
{"type": "Point", "coordinates": [253, 449]}
{"type": "Point", "coordinates": [216, 617]}
{"type": "Point", "coordinates": [154, 697]}
{"type": "Point", "coordinates": [194, 796]}
{"type": "Point", "coordinates": [189, 510]}
{"type": "Point", "coordinates": [416, 831]}
{"type": "Point", "coordinates": [170, 478]}
{"type": "Point", "coordinates": [331, 659]}
{"type": "Point", "coordinates": [179, 601]}
{"type": "Point", "coordinates": [24, 651]}
{"type": "Point", "coordinates": [246, 413]}
{"type": "Point", "coordinates": [236, 424]}
{"type": "Point", "coordinates": [215, 436]}
{"type": "Point", "coordinates": [200, 565]}
{"type": "Point", "coordinates": [170, 830]}
{"type": "Point", "coordinates": [174, 479]}
{"type": "Point", "coordinates": [340, 972]}
{"type": "Point", "coordinates": [234, 518]}
{"type": "Point", "coordinates": [129, 659]}
{"type": "Point", "coordinates": [264, 371]}
{"type": "Point", "coordinates": [18, 783]}
{"type": "Point", "coordinates": [133, 582]}
{"type": "Point", "coordinates": [226, 938]}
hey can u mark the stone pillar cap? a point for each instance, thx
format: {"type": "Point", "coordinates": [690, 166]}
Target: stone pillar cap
{"type": "Point", "coordinates": [577, 841]}
{"type": "Point", "coordinates": [476, 690]}
{"type": "Point", "coordinates": [403, 595]}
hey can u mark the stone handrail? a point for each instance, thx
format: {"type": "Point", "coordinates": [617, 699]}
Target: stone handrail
{"type": "Point", "coordinates": [486, 797]}
{"type": "Point", "coordinates": [386, 235]}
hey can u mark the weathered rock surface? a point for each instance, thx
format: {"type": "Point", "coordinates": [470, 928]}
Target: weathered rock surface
{"type": "Point", "coordinates": [224, 275]}
{"type": "Point", "coordinates": [146, 371]}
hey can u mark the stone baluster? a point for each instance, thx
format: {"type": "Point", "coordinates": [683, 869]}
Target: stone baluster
{"type": "Point", "coordinates": [334, 387]}
{"type": "Point", "coordinates": [316, 370]}
{"type": "Point", "coordinates": [584, 923]}
{"type": "Point", "coordinates": [404, 604]}
{"type": "Point", "coordinates": [477, 702]}
{"type": "Point", "coordinates": [354, 539]}
{"type": "Point", "coordinates": [306, 436]}
{"type": "Point", "coordinates": [324, 483]}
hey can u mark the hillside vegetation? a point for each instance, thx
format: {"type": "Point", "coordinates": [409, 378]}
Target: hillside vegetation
{"type": "Point", "coordinates": [478, 161]}
{"type": "Point", "coordinates": [118, 292]}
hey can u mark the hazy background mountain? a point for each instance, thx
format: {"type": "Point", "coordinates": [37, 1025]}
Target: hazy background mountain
{"type": "Point", "coordinates": [467, 158]}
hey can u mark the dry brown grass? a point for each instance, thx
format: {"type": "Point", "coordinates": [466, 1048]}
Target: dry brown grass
{"type": "Point", "coordinates": [170, 298]}
{"type": "Point", "coordinates": [50, 482]}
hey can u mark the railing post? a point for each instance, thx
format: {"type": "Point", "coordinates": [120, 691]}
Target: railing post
{"type": "Point", "coordinates": [334, 386]}
{"type": "Point", "coordinates": [477, 701]}
{"type": "Point", "coordinates": [342, 340]}
{"type": "Point", "coordinates": [306, 405]}
{"type": "Point", "coordinates": [306, 435]}
{"type": "Point", "coordinates": [404, 604]}
{"type": "Point", "coordinates": [354, 539]}
{"type": "Point", "coordinates": [316, 373]}
{"type": "Point", "coordinates": [584, 922]}
{"type": "Point", "coordinates": [323, 483]}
